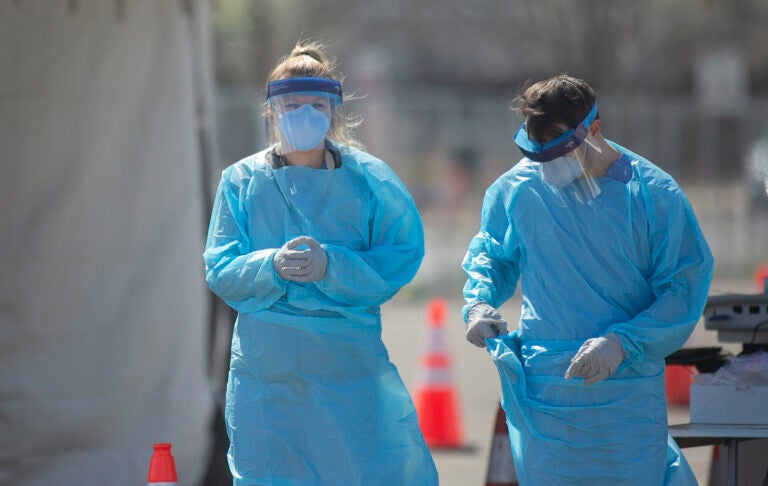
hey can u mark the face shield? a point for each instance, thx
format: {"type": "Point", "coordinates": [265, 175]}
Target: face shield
{"type": "Point", "coordinates": [304, 112]}
{"type": "Point", "coordinates": [566, 162]}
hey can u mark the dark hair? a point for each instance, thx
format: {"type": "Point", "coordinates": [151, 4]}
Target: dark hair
{"type": "Point", "coordinates": [553, 106]}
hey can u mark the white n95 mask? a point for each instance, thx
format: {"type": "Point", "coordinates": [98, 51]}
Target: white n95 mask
{"type": "Point", "coordinates": [304, 128]}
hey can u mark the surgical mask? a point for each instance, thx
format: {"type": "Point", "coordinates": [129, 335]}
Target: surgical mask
{"type": "Point", "coordinates": [304, 128]}
{"type": "Point", "coordinates": [561, 171]}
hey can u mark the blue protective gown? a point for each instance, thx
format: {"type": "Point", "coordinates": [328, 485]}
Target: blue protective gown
{"type": "Point", "coordinates": [633, 262]}
{"type": "Point", "coordinates": [312, 398]}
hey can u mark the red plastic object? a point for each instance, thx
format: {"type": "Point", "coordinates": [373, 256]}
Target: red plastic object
{"type": "Point", "coordinates": [161, 466]}
{"type": "Point", "coordinates": [677, 384]}
{"type": "Point", "coordinates": [761, 278]}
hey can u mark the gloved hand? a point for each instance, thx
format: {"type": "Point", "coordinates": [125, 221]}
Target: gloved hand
{"type": "Point", "coordinates": [596, 359]}
{"type": "Point", "coordinates": [301, 265]}
{"type": "Point", "coordinates": [483, 321]}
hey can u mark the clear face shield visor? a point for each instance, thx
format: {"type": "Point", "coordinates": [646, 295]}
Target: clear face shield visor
{"type": "Point", "coordinates": [566, 163]}
{"type": "Point", "coordinates": [303, 112]}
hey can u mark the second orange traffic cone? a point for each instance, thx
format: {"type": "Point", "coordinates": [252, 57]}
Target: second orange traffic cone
{"type": "Point", "coordinates": [501, 468]}
{"type": "Point", "coordinates": [435, 399]}
{"type": "Point", "coordinates": [162, 470]}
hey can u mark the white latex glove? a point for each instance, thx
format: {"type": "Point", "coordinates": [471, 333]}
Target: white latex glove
{"type": "Point", "coordinates": [483, 321]}
{"type": "Point", "coordinates": [301, 265]}
{"type": "Point", "coordinates": [597, 359]}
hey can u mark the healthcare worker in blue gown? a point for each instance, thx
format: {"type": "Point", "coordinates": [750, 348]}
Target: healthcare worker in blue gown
{"type": "Point", "coordinates": [614, 273]}
{"type": "Point", "coordinates": [307, 240]}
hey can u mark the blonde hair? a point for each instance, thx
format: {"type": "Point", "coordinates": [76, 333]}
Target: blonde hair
{"type": "Point", "coordinates": [308, 59]}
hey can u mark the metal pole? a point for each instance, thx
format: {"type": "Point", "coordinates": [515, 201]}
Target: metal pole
{"type": "Point", "coordinates": [732, 444]}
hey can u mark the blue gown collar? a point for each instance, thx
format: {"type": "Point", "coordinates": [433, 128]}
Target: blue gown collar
{"type": "Point", "coordinates": [620, 170]}
{"type": "Point", "coordinates": [277, 161]}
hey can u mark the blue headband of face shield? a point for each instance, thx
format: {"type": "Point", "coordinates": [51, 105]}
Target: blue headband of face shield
{"type": "Point", "coordinates": [558, 147]}
{"type": "Point", "coordinates": [303, 85]}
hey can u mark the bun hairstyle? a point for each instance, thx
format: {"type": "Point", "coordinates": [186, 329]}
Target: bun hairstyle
{"type": "Point", "coordinates": [308, 59]}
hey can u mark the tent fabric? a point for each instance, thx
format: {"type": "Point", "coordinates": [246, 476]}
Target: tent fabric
{"type": "Point", "coordinates": [102, 298]}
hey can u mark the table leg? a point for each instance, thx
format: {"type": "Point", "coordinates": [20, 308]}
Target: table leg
{"type": "Point", "coordinates": [732, 445]}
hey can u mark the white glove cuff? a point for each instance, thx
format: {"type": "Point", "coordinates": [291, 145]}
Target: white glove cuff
{"type": "Point", "coordinates": [615, 340]}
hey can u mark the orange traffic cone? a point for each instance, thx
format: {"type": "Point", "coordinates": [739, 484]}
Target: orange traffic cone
{"type": "Point", "coordinates": [501, 468]}
{"type": "Point", "coordinates": [162, 470]}
{"type": "Point", "coordinates": [435, 399]}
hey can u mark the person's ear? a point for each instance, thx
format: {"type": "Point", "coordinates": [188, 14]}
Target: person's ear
{"type": "Point", "coordinates": [594, 127]}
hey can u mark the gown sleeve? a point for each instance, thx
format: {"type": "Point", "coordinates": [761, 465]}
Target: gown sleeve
{"type": "Point", "coordinates": [373, 276]}
{"type": "Point", "coordinates": [492, 261]}
{"type": "Point", "coordinates": [681, 274]}
{"type": "Point", "coordinates": [244, 279]}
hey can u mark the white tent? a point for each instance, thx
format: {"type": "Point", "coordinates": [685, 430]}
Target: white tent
{"type": "Point", "coordinates": [103, 305]}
